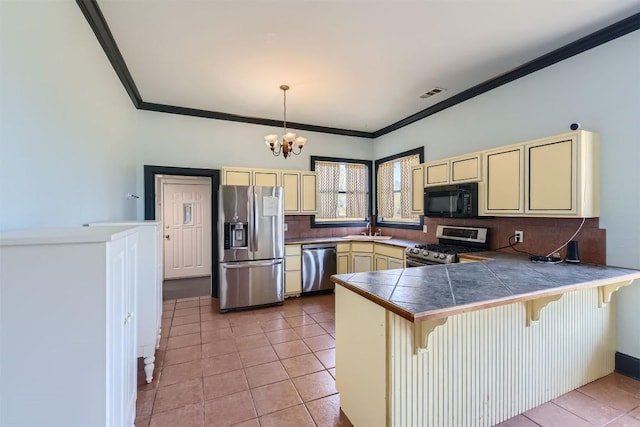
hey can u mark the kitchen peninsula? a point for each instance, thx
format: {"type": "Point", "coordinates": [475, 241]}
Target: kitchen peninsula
{"type": "Point", "coordinates": [471, 344]}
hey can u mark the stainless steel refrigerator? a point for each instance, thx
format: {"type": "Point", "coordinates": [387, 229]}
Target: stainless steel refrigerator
{"type": "Point", "coordinates": [251, 246]}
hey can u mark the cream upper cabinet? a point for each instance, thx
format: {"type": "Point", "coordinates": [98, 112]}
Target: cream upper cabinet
{"type": "Point", "coordinates": [453, 170]}
{"type": "Point", "coordinates": [291, 184]}
{"type": "Point", "coordinates": [300, 187]}
{"type": "Point", "coordinates": [300, 192]}
{"type": "Point", "coordinates": [250, 176]}
{"type": "Point", "coordinates": [417, 189]}
{"type": "Point", "coordinates": [466, 168]}
{"type": "Point", "coordinates": [436, 173]}
{"type": "Point", "coordinates": [562, 176]}
{"type": "Point", "coordinates": [236, 176]}
{"type": "Point", "coordinates": [309, 193]}
{"type": "Point", "coordinates": [266, 177]}
{"type": "Point", "coordinates": [502, 191]}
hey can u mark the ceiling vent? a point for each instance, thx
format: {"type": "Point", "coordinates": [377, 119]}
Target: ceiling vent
{"type": "Point", "coordinates": [434, 91]}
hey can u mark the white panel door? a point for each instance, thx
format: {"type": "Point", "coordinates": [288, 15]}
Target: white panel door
{"type": "Point", "coordinates": [187, 229]}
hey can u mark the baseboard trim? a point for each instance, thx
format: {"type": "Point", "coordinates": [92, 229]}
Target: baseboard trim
{"type": "Point", "coordinates": [628, 365]}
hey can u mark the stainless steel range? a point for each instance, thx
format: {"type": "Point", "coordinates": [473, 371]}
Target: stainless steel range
{"type": "Point", "coordinates": [451, 241]}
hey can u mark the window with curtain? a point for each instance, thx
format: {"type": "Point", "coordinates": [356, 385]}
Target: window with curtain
{"type": "Point", "coordinates": [343, 186]}
{"type": "Point", "coordinates": [393, 188]}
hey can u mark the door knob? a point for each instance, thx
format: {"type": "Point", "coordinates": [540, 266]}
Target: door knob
{"type": "Point", "coordinates": [167, 237]}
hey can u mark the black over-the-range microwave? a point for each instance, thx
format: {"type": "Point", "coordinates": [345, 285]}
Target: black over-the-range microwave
{"type": "Point", "coordinates": [451, 201]}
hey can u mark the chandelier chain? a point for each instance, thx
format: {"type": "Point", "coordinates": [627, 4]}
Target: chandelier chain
{"type": "Point", "coordinates": [285, 110]}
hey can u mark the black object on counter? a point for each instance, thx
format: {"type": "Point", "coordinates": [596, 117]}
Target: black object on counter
{"type": "Point", "coordinates": [572, 252]}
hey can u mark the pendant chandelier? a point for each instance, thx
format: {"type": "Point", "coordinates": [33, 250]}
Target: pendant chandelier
{"type": "Point", "coordinates": [286, 145]}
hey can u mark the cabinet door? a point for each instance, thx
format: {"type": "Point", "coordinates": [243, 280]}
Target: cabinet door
{"type": "Point", "coordinates": [436, 173]}
{"type": "Point", "coordinates": [395, 263]}
{"type": "Point", "coordinates": [130, 342]}
{"type": "Point", "coordinates": [236, 176]}
{"type": "Point", "coordinates": [343, 263]}
{"type": "Point", "coordinates": [551, 177]}
{"type": "Point", "coordinates": [504, 181]}
{"type": "Point", "coordinates": [381, 262]}
{"type": "Point", "coordinates": [266, 178]}
{"type": "Point", "coordinates": [292, 282]}
{"type": "Point", "coordinates": [291, 188]}
{"type": "Point", "coordinates": [417, 190]}
{"type": "Point", "coordinates": [362, 262]}
{"type": "Point", "coordinates": [309, 193]}
{"type": "Point", "coordinates": [465, 169]}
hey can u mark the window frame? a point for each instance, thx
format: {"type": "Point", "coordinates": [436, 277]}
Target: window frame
{"type": "Point", "coordinates": [335, 224]}
{"type": "Point", "coordinates": [412, 226]}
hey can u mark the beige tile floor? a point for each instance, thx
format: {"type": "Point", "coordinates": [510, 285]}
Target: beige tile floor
{"type": "Point", "coordinates": [275, 366]}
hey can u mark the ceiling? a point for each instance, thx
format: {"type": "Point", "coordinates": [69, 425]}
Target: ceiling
{"type": "Point", "coordinates": [359, 65]}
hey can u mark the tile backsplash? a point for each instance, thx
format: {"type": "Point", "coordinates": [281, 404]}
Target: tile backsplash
{"type": "Point", "coordinates": [541, 235]}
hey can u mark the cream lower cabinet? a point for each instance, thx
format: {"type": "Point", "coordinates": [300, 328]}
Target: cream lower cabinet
{"type": "Point", "coordinates": [69, 326]}
{"type": "Point", "coordinates": [388, 257]}
{"type": "Point", "coordinates": [292, 270]}
{"type": "Point", "coordinates": [361, 257]}
{"type": "Point", "coordinates": [342, 258]}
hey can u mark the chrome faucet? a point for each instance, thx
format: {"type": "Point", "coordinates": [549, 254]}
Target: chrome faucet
{"type": "Point", "coordinates": [368, 228]}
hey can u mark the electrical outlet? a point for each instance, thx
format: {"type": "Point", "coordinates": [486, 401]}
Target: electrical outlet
{"type": "Point", "coordinates": [519, 236]}
{"type": "Point", "coordinates": [286, 227]}
{"type": "Point", "coordinates": [424, 228]}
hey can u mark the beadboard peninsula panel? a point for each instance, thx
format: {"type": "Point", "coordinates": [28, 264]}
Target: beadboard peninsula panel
{"type": "Point", "coordinates": [486, 366]}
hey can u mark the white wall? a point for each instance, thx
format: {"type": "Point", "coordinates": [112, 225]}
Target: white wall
{"type": "Point", "coordinates": [66, 152]}
{"type": "Point", "coordinates": [600, 89]}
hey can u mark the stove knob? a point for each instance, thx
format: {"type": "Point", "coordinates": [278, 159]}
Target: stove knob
{"type": "Point", "coordinates": [425, 253]}
{"type": "Point", "coordinates": [436, 256]}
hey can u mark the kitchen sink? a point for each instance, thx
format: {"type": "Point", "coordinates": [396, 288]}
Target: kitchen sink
{"type": "Point", "coordinates": [361, 237]}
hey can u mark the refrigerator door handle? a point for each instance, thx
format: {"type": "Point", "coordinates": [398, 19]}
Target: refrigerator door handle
{"type": "Point", "coordinates": [252, 264]}
{"type": "Point", "coordinates": [255, 222]}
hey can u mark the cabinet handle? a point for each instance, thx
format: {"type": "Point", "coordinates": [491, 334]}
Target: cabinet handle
{"type": "Point", "coordinates": [168, 237]}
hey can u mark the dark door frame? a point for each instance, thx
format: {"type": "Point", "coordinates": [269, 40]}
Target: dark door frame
{"type": "Point", "coordinates": [150, 173]}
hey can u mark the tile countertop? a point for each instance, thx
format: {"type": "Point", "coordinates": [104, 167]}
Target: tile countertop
{"type": "Point", "coordinates": [438, 291]}
{"type": "Point", "coordinates": [307, 240]}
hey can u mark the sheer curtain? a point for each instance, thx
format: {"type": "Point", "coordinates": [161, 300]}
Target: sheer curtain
{"type": "Point", "coordinates": [356, 190]}
{"type": "Point", "coordinates": [328, 186]}
{"type": "Point", "coordinates": [385, 190]}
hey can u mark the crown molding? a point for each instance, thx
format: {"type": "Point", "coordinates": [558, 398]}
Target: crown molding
{"type": "Point", "coordinates": [100, 28]}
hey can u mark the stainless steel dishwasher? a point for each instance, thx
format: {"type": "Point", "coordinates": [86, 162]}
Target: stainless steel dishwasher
{"type": "Point", "coordinates": [318, 264]}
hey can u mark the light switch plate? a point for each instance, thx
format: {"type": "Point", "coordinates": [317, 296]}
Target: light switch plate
{"type": "Point", "coordinates": [286, 227]}
{"type": "Point", "coordinates": [424, 228]}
